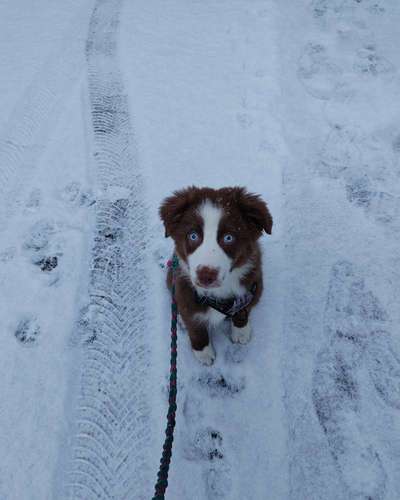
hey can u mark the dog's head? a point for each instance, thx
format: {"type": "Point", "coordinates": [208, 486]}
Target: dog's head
{"type": "Point", "coordinates": [215, 231]}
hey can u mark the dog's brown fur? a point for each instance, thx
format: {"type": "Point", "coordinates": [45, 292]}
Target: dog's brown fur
{"type": "Point", "coordinates": [245, 214]}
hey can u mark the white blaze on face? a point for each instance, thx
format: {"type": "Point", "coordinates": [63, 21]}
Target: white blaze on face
{"type": "Point", "coordinates": [209, 253]}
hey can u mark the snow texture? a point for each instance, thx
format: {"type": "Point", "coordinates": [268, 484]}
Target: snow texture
{"type": "Point", "coordinates": [107, 107]}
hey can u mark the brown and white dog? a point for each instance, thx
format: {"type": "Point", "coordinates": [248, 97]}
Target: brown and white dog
{"type": "Point", "coordinates": [216, 234]}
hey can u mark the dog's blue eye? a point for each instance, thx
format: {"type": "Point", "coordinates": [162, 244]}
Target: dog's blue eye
{"type": "Point", "coordinates": [228, 238]}
{"type": "Point", "coordinates": [193, 236]}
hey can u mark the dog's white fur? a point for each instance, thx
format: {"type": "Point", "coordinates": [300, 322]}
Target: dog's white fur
{"type": "Point", "coordinates": [210, 254]}
{"type": "Point", "coordinates": [241, 335]}
{"type": "Point", "coordinates": [206, 356]}
{"type": "Point", "coordinates": [212, 317]}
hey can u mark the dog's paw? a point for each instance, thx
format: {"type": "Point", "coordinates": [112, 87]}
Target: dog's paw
{"type": "Point", "coordinates": [206, 356]}
{"type": "Point", "coordinates": [241, 335]}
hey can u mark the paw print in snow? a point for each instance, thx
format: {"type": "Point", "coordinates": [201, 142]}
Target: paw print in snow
{"type": "Point", "coordinates": [39, 235]}
{"type": "Point", "coordinates": [205, 445]}
{"type": "Point", "coordinates": [383, 206]}
{"type": "Point", "coordinates": [218, 483]}
{"type": "Point", "coordinates": [371, 64]}
{"type": "Point", "coordinates": [8, 254]}
{"type": "Point", "coordinates": [339, 155]}
{"type": "Point", "coordinates": [236, 353]}
{"type": "Point", "coordinates": [317, 73]}
{"type": "Point", "coordinates": [34, 200]}
{"type": "Point", "coordinates": [42, 249]}
{"type": "Point", "coordinates": [321, 7]}
{"type": "Point", "coordinates": [220, 386]}
{"type": "Point", "coordinates": [376, 9]}
{"type": "Point", "coordinates": [27, 331]}
{"type": "Point", "coordinates": [74, 195]}
{"type": "Point", "coordinates": [245, 120]}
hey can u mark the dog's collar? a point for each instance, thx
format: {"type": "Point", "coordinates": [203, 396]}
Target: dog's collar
{"type": "Point", "coordinates": [229, 307]}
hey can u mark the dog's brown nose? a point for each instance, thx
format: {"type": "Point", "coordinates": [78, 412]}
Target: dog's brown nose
{"type": "Point", "coordinates": [207, 276]}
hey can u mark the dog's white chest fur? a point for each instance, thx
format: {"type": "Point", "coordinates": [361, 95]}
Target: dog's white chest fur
{"type": "Point", "coordinates": [211, 316]}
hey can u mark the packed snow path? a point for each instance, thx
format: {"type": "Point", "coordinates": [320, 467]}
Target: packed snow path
{"type": "Point", "coordinates": [108, 107]}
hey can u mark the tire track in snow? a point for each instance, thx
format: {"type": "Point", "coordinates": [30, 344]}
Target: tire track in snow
{"type": "Point", "coordinates": [353, 322]}
{"type": "Point", "coordinates": [28, 129]}
{"type": "Point", "coordinates": [108, 458]}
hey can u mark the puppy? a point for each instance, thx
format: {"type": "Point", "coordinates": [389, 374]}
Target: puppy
{"type": "Point", "coordinates": [219, 277]}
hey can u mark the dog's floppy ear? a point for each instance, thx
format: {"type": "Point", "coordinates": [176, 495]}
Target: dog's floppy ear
{"type": "Point", "coordinates": [173, 208]}
{"type": "Point", "coordinates": [255, 210]}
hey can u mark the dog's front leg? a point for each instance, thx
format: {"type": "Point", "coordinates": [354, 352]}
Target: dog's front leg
{"type": "Point", "coordinates": [241, 327]}
{"type": "Point", "coordinates": [201, 346]}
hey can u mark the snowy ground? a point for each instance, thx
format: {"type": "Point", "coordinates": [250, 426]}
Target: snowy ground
{"type": "Point", "coordinates": [108, 106]}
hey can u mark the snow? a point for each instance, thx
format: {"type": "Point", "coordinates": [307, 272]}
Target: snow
{"type": "Point", "coordinates": [107, 107]}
